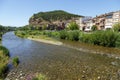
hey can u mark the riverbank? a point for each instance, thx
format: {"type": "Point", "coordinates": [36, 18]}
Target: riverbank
{"type": "Point", "coordinates": [101, 38]}
{"type": "Point", "coordinates": [48, 40]}
{"type": "Point", "coordinates": [109, 40]}
{"type": "Point", "coordinates": [40, 38]}
{"type": "Point", "coordinates": [94, 49]}
{"type": "Point", "coordinates": [4, 58]}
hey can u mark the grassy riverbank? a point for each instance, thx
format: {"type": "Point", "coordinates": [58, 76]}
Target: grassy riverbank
{"type": "Point", "coordinates": [4, 57]}
{"type": "Point", "coordinates": [4, 54]}
{"type": "Point", "coordinates": [37, 36]}
{"type": "Point", "coordinates": [102, 38]}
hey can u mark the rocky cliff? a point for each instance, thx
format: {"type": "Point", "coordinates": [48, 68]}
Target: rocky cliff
{"type": "Point", "coordinates": [52, 17]}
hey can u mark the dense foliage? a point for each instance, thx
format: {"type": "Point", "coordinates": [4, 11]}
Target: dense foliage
{"type": "Point", "coordinates": [73, 26]}
{"type": "Point", "coordinates": [15, 61]}
{"type": "Point", "coordinates": [94, 28]}
{"type": "Point", "coordinates": [54, 15]}
{"type": "Point", "coordinates": [102, 38]}
{"type": "Point", "coordinates": [4, 54]}
{"type": "Point", "coordinates": [116, 27]}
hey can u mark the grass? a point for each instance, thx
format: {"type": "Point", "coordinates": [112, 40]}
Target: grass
{"type": "Point", "coordinates": [15, 61]}
{"type": "Point", "coordinates": [44, 35]}
{"type": "Point", "coordinates": [102, 38]}
{"type": "Point", "coordinates": [4, 57]}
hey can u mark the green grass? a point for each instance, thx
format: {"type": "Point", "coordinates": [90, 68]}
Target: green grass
{"type": "Point", "coordinates": [46, 35]}
{"type": "Point", "coordinates": [4, 57]}
{"type": "Point", "coordinates": [102, 38]}
{"type": "Point", "coordinates": [15, 61]}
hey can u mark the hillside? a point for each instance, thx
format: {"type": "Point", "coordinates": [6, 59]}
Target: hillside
{"type": "Point", "coordinates": [50, 17]}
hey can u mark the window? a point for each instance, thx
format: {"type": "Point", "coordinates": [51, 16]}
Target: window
{"type": "Point", "coordinates": [116, 15]}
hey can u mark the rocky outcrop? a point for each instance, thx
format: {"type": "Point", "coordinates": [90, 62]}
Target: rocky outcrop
{"type": "Point", "coordinates": [57, 17]}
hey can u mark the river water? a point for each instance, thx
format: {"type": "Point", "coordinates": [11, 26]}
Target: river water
{"type": "Point", "coordinates": [58, 62]}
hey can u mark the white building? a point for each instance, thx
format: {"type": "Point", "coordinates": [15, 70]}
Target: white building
{"type": "Point", "coordinates": [103, 22]}
{"type": "Point", "coordinates": [86, 23]}
{"type": "Point", "coordinates": [111, 19]}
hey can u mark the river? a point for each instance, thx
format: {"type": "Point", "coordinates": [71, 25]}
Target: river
{"type": "Point", "coordinates": [58, 62]}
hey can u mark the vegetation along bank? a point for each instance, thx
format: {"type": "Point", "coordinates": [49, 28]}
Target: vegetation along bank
{"type": "Point", "coordinates": [102, 38]}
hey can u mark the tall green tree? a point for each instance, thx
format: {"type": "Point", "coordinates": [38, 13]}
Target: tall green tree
{"type": "Point", "coordinates": [94, 28]}
{"type": "Point", "coordinates": [116, 27]}
{"type": "Point", "coordinates": [73, 26]}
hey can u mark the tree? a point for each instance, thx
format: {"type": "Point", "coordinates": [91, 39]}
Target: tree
{"type": "Point", "coordinates": [73, 26]}
{"type": "Point", "coordinates": [116, 27]}
{"type": "Point", "coordinates": [94, 28]}
{"type": "Point", "coordinates": [44, 27]}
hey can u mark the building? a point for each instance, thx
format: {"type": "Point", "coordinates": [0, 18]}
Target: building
{"type": "Point", "coordinates": [111, 19]}
{"type": "Point", "coordinates": [103, 22]}
{"type": "Point", "coordinates": [99, 21]}
{"type": "Point", "coordinates": [86, 23]}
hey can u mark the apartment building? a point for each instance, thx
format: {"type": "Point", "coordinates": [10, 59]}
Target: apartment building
{"type": "Point", "coordinates": [112, 19]}
{"type": "Point", "coordinates": [86, 23]}
{"type": "Point", "coordinates": [99, 21]}
{"type": "Point", "coordinates": [103, 22]}
{"type": "Point", "coordinates": [109, 21]}
{"type": "Point", "coordinates": [116, 17]}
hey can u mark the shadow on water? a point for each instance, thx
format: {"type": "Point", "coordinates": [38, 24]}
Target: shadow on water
{"type": "Point", "coordinates": [60, 62]}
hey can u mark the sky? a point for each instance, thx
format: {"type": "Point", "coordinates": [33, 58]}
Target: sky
{"type": "Point", "coordinates": [17, 12]}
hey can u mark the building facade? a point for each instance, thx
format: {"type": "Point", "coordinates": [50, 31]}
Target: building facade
{"type": "Point", "coordinates": [103, 22]}
{"type": "Point", "coordinates": [86, 23]}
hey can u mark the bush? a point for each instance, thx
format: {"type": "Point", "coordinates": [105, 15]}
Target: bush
{"type": "Point", "coordinates": [63, 34]}
{"type": "Point", "coordinates": [102, 38]}
{"type": "Point", "coordinates": [4, 56]}
{"type": "Point", "coordinates": [73, 26]}
{"type": "Point", "coordinates": [15, 61]}
{"type": "Point", "coordinates": [73, 35]}
{"type": "Point", "coordinates": [5, 51]}
{"type": "Point", "coordinates": [94, 28]}
{"type": "Point", "coordinates": [3, 68]}
{"type": "Point", "coordinates": [84, 38]}
{"type": "Point", "coordinates": [55, 34]}
{"type": "Point", "coordinates": [116, 27]}
{"type": "Point", "coordinates": [117, 43]}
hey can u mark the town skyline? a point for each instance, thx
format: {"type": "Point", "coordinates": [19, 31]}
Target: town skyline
{"type": "Point", "coordinates": [17, 13]}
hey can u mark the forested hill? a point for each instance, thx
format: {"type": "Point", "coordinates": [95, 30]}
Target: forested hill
{"type": "Point", "coordinates": [51, 16]}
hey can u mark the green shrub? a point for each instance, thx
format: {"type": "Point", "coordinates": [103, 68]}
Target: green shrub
{"type": "Point", "coordinates": [117, 44]}
{"type": "Point", "coordinates": [73, 26]}
{"type": "Point", "coordinates": [63, 34]}
{"type": "Point", "coordinates": [84, 38]}
{"type": "Point", "coordinates": [73, 35]}
{"type": "Point", "coordinates": [94, 28]}
{"type": "Point", "coordinates": [116, 27]}
{"type": "Point", "coordinates": [15, 61]}
{"type": "Point", "coordinates": [3, 68]}
{"type": "Point", "coordinates": [102, 38]}
{"type": "Point", "coordinates": [5, 51]}
{"type": "Point", "coordinates": [4, 57]}
{"type": "Point", "coordinates": [109, 39]}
